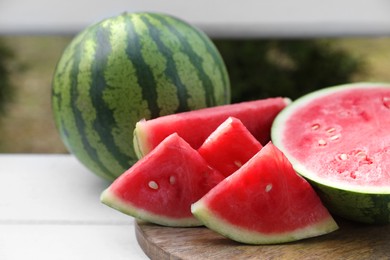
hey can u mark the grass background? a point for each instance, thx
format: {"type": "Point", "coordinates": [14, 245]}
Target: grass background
{"type": "Point", "coordinates": [27, 125]}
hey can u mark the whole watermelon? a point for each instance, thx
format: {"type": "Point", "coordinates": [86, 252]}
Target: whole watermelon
{"type": "Point", "coordinates": [123, 69]}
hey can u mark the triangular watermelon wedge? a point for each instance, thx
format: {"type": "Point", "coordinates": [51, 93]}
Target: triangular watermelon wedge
{"type": "Point", "coordinates": [161, 186]}
{"type": "Point", "coordinates": [264, 202]}
{"type": "Point", "coordinates": [196, 125]}
{"type": "Point", "coordinates": [229, 147]}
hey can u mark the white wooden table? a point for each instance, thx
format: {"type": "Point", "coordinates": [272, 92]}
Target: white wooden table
{"type": "Point", "coordinates": [50, 209]}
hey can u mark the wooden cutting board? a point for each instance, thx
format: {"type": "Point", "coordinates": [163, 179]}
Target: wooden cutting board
{"type": "Point", "coordinates": [351, 241]}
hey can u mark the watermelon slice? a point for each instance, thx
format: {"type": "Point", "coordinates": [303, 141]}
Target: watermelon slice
{"type": "Point", "coordinates": [195, 126]}
{"type": "Point", "coordinates": [338, 138]}
{"type": "Point", "coordinates": [264, 202]}
{"type": "Point", "coordinates": [229, 147]}
{"type": "Point", "coordinates": [161, 187]}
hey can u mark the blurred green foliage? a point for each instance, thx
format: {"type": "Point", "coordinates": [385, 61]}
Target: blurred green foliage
{"type": "Point", "coordinates": [289, 68]}
{"type": "Point", "coordinates": [5, 83]}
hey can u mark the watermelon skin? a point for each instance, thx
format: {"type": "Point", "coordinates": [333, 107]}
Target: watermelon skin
{"type": "Point", "coordinates": [123, 69]}
{"type": "Point", "coordinates": [161, 187]}
{"type": "Point", "coordinates": [369, 208]}
{"type": "Point", "coordinates": [229, 147]}
{"type": "Point", "coordinates": [195, 126]}
{"type": "Point", "coordinates": [264, 202]}
{"type": "Point", "coordinates": [353, 178]}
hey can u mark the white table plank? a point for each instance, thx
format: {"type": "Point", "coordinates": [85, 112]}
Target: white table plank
{"type": "Point", "coordinates": [52, 188]}
{"type": "Point", "coordinates": [50, 209]}
{"type": "Point", "coordinates": [69, 242]}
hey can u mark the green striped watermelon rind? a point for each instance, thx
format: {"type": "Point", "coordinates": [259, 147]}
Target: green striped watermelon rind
{"type": "Point", "coordinates": [370, 208]}
{"type": "Point", "coordinates": [165, 71]}
{"type": "Point", "coordinates": [247, 236]}
{"type": "Point", "coordinates": [369, 205]}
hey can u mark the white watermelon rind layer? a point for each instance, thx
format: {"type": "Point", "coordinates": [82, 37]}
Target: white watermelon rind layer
{"type": "Point", "coordinates": [140, 140]}
{"type": "Point", "coordinates": [278, 127]}
{"type": "Point", "coordinates": [246, 236]}
{"type": "Point", "coordinates": [110, 199]}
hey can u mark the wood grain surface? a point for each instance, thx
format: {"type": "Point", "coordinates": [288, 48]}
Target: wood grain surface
{"type": "Point", "coordinates": [351, 241]}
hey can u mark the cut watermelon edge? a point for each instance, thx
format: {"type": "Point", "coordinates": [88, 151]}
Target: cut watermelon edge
{"type": "Point", "coordinates": [140, 137]}
{"type": "Point", "coordinates": [278, 127]}
{"type": "Point", "coordinates": [304, 172]}
{"type": "Point", "coordinates": [247, 236]}
{"type": "Point", "coordinates": [110, 199]}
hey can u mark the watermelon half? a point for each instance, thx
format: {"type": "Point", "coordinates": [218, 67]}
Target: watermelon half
{"type": "Point", "coordinates": [338, 138]}
{"type": "Point", "coordinates": [161, 187]}
{"type": "Point", "coordinates": [195, 126]}
{"type": "Point", "coordinates": [229, 147]}
{"type": "Point", "coordinates": [264, 202]}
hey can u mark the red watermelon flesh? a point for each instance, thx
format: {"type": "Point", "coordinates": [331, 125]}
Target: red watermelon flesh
{"type": "Point", "coordinates": [195, 126]}
{"type": "Point", "coordinates": [161, 187]}
{"type": "Point", "coordinates": [264, 202]}
{"type": "Point", "coordinates": [347, 128]}
{"type": "Point", "coordinates": [229, 147]}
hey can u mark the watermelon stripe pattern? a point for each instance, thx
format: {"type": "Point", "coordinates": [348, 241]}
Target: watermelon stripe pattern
{"type": "Point", "coordinates": [126, 68]}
